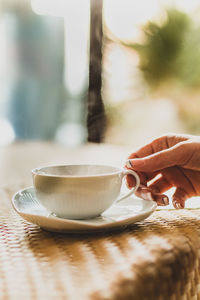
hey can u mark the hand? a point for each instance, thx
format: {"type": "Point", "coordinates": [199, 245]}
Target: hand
{"type": "Point", "coordinates": [168, 161]}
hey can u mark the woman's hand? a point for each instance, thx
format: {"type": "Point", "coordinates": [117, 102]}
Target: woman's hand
{"type": "Point", "coordinates": [168, 161]}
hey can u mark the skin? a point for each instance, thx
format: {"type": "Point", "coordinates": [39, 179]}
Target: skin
{"type": "Point", "coordinates": [168, 161]}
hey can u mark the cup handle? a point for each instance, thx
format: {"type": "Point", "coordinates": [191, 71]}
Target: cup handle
{"type": "Point", "coordinates": [134, 189]}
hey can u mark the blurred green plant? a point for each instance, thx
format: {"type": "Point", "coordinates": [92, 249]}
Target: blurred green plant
{"type": "Point", "coordinates": [188, 61]}
{"type": "Point", "coordinates": [170, 51]}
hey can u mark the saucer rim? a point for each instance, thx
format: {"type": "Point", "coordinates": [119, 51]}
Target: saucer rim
{"type": "Point", "coordinates": [85, 225]}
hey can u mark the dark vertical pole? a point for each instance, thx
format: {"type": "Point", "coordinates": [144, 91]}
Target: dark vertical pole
{"type": "Point", "coordinates": [96, 120]}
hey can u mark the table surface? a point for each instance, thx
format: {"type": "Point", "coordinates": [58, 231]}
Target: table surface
{"type": "Point", "coordinates": [157, 258]}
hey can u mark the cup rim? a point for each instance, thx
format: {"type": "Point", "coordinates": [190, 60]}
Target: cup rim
{"type": "Point", "coordinates": [36, 171]}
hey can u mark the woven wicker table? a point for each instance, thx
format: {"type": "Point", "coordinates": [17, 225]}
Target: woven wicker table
{"type": "Point", "coordinates": [157, 258]}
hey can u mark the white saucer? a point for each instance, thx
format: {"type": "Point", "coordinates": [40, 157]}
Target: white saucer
{"type": "Point", "coordinates": [126, 212]}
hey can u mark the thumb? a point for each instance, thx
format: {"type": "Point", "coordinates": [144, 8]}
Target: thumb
{"type": "Point", "coordinates": [175, 155]}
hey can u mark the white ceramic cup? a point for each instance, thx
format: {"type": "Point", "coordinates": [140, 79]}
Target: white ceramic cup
{"type": "Point", "coordinates": [80, 191]}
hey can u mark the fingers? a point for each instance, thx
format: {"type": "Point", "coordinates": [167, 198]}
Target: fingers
{"type": "Point", "coordinates": [179, 197]}
{"type": "Point", "coordinates": [147, 194]}
{"type": "Point", "coordinates": [144, 177]}
{"type": "Point", "coordinates": [130, 180]}
{"type": "Point", "coordinates": [160, 160]}
{"type": "Point", "coordinates": [153, 193]}
{"type": "Point", "coordinates": [169, 177]}
{"type": "Point", "coordinates": [160, 185]}
{"type": "Point", "coordinates": [143, 151]}
{"type": "Point", "coordinates": [159, 144]}
{"type": "Point", "coordinates": [155, 145]}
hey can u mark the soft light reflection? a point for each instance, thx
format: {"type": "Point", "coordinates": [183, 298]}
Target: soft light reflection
{"type": "Point", "coordinates": [120, 84]}
{"type": "Point", "coordinates": [56, 8]}
{"type": "Point", "coordinates": [76, 47]}
{"type": "Point", "coordinates": [124, 17]}
{"type": "Point", "coordinates": [7, 134]}
{"type": "Point", "coordinates": [124, 20]}
{"type": "Point", "coordinates": [71, 134]}
{"type": "Point", "coordinates": [76, 14]}
{"type": "Point", "coordinates": [185, 5]}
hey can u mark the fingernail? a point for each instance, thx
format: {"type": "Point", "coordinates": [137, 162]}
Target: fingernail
{"type": "Point", "coordinates": [165, 200]}
{"type": "Point", "coordinates": [161, 199]}
{"type": "Point", "coordinates": [129, 164]}
{"type": "Point", "coordinates": [177, 205]}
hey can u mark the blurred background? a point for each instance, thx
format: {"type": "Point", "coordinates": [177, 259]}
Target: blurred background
{"type": "Point", "coordinates": [150, 69]}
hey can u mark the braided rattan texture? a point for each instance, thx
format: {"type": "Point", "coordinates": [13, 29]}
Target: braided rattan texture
{"type": "Point", "coordinates": [154, 259]}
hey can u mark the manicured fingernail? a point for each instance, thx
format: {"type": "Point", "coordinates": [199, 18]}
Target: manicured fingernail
{"type": "Point", "coordinates": [128, 164]}
{"type": "Point", "coordinates": [161, 199]}
{"type": "Point", "coordinates": [165, 200]}
{"type": "Point", "coordinates": [136, 162]}
{"type": "Point", "coordinates": [177, 205]}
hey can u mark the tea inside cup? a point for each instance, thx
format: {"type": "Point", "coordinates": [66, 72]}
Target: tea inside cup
{"type": "Point", "coordinates": [78, 191]}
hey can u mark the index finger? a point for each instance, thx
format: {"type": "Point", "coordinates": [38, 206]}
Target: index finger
{"type": "Point", "coordinates": [159, 144]}
{"type": "Point", "coordinates": [143, 151]}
